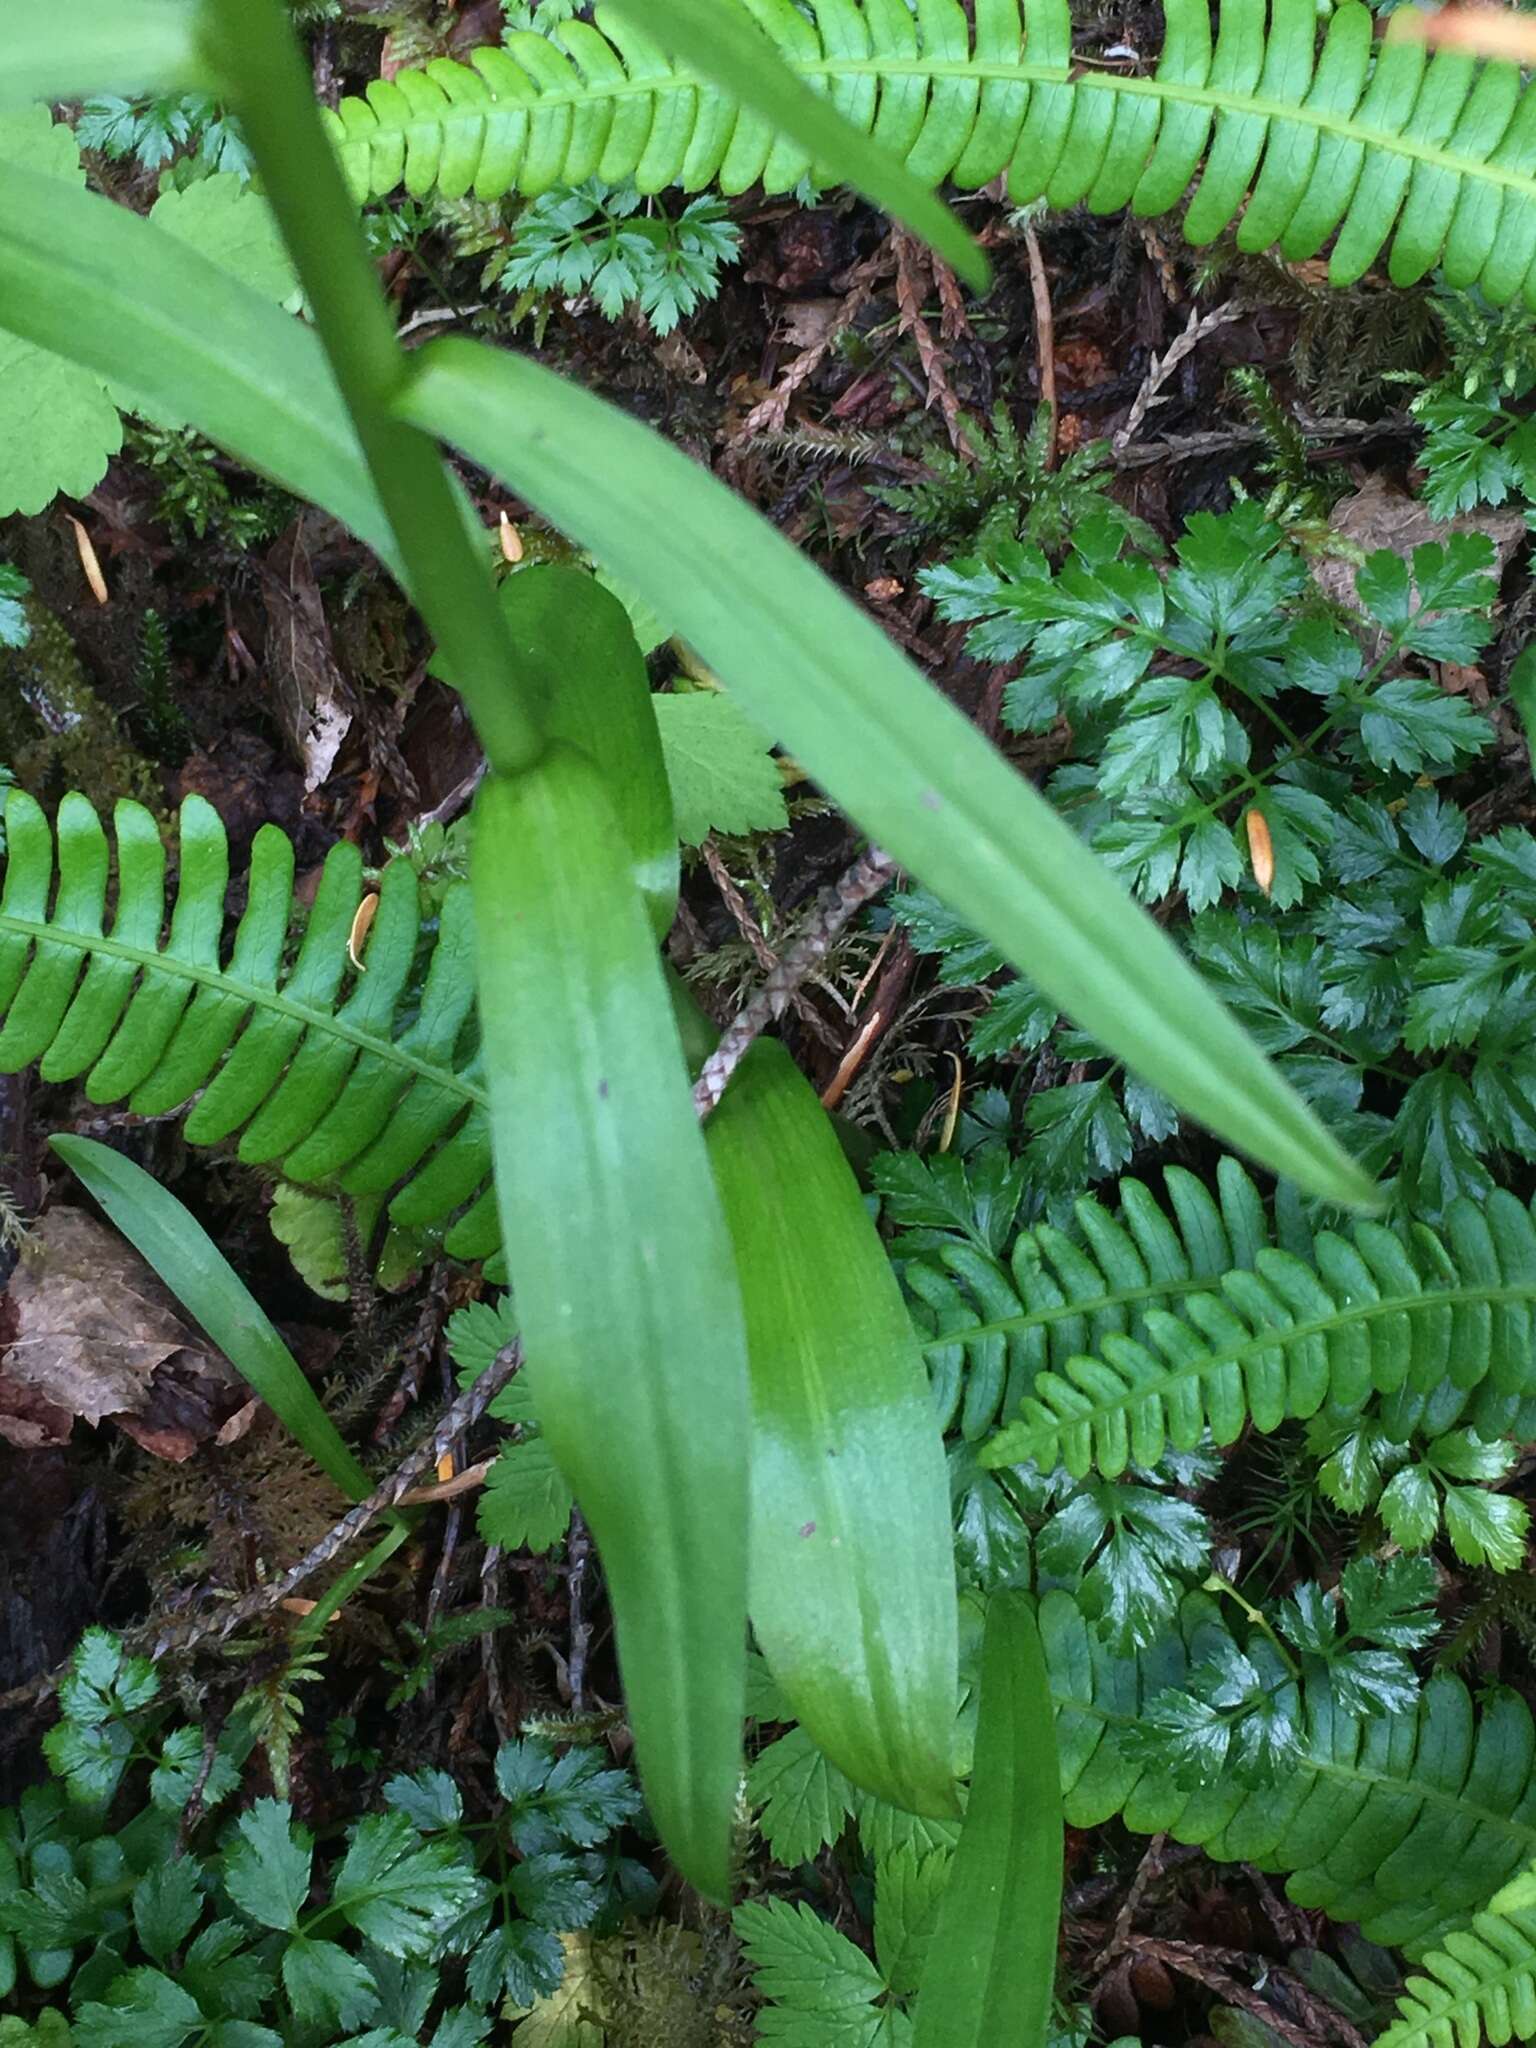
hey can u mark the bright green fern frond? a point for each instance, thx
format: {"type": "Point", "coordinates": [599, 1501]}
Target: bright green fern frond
{"type": "Point", "coordinates": [1369, 141]}
{"type": "Point", "coordinates": [1440, 1327]}
{"type": "Point", "coordinates": [1403, 1822]}
{"type": "Point", "coordinates": [356, 1077]}
{"type": "Point", "coordinates": [1481, 1982]}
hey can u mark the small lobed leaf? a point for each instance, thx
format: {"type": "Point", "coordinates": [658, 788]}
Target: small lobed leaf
{"type": "Point", "coordinates": [267, 1871]}
{"type": "Point", "coordinates": [722, 775]}
{"type": "Point", "coordinates": [526, 1503]}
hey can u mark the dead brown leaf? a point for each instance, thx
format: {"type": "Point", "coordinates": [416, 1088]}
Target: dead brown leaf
{"type": "Point", "coordinates": [1380, 516]}
{"type": "Point", "coordinates": [315, 700]}
{"type": "Point", "coordinates": [99, 1338]}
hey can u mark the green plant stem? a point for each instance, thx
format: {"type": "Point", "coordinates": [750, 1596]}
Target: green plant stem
{"type": "Point", "coordinates": [250, 47]}
{"type": "Point", "coordinates": [1256, 1615]}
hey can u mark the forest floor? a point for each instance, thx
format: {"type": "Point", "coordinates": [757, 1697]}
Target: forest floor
{"type": "Point", "coordinates": [254, 654]}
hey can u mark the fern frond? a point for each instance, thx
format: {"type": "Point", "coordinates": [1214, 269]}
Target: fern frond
{"type": "Point", "coordinates": [992, 1328]}
{"type": "Point", "coordinates": [362, 1078]}
{"type": "Point", "coordinates": [1441, 1327]}
{"type": "Point", "coordinates": [1402, 1822]}
{"type": "Point", "coordinates": [1481, 1982]}
{"type": "Point", "coordinates": [1369, 142]}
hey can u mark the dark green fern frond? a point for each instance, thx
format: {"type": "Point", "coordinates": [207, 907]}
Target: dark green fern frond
{"type": "Point", "coordinates": [360, 1077]}
{"type": "Point", "coordinates": [1371, 142]}
{"type": "Point", "coordinates": [1402, 1822]}
{"type": "Point", "coordinates": [1442, 1328]}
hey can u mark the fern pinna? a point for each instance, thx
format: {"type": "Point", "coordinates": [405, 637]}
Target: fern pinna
{"type": "Point", "coordinates": [1369, 141]}
{"type": "Point", "coordinates": [353, 1071]}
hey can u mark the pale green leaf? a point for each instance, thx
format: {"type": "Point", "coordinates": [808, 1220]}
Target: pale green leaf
{"type": "Point", "coordinates": [722, 775]}
{"type": "Point", "coordinates": [526, 1504]}
{"type": "Point", "coordinates": [58, 427]}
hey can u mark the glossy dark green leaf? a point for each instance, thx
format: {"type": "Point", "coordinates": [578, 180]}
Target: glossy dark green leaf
{"type": "Point", "coordinates": [96, 46]}
{"type": "Point", "coordinates": [852, 1577]}
{"type": "Point", "coordinates": [166, 1233]}
{"type": "Point", "coordinates": [816, 673]}
{"type": "Point", "coordinates": [621, 1267]}
{"type": "Point", "coordinates": [991, 1971]}
{"type": "Point", "coordinates": [720, 40]}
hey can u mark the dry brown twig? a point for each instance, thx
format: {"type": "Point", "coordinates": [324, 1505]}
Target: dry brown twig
{"type": "Point", "coordinates": [1162, 367]}
{"type": "Point", "coordinates": [916, 266]}
{"type": "Point", "coordinates": [1045, 338]}
{"type": "Point", "coordinates": [835, 907]}
{"type": "Point", "coordinates": [770, 413]}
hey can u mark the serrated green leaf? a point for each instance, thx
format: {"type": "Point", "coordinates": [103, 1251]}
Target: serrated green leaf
{"type": "Point", "coordinates": [799, 1961]}
{"type": "Point", "coordinates": [142, 2009]}
{"type": "Point", "coordinates": [327, 1986]}
{"type": "Point", "coordinates": [266, 1872]}
{"type": "Point", "coordinates": [1486, 1528]}
{"type": "Point", "coordinates": [180, 1768]}
{"type": "Point", "coordinates": [167, 1904]}
{"type": "Point", "coordinates": [554, 1802]}
{"type": "Point", "coordinates": [551, 1891]}
{"type": "Point", "coordinates": [57, 425]}
{"type": "Point", "coordinates": [908, 1888]}
{"type": "Point", "coordinates": [223, 219]}
{"type": "Point", "coordinates": [526, 1503]}
{"type": "Point", "coordinates": [428, 1799]}
{"type": "Point", "coordinates": [398, 1891]}
{"type": "Point", "coordinates": [805, 1799]}
{"type": "Point", "coordinates": [722, 776]}
{"type": "Point", "coordinates": [516, 1961]}
{"type": "Point", "coordinates": [1409, 1508]}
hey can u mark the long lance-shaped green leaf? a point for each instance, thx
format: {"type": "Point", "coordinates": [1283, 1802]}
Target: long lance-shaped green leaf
{"type": "Point", "coordinates": [249, 47]}
{"type": "Point", "coordinates": [577, 653]}
{"type": "Point", "coordinates": [166, 1233]}
{"type": "Point", "coordinates": [184, 338]}
{"type": "Point", "coordinates": [813, 670]}
{"type": "Point", "coordinates": [621, 1267]}
{"type": "Point", "coordinates": [720, 40]}
{"type": "Point", "coordinates": [991, 1971]}
{"type": "Point", "coordinates": [851, 1584]}
{"type": "Point", "coordinates": [95, 46]}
